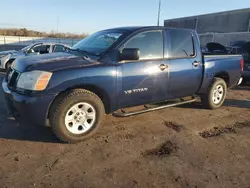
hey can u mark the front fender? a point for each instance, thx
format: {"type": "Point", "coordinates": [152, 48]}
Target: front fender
{"type": "Point", "coordinates": [4, 60]}
{"type": "Point", "coordinates": [102, 81]}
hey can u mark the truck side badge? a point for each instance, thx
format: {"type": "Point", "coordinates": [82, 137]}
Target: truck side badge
{"type": "Point", "coordinates": [136, 91]}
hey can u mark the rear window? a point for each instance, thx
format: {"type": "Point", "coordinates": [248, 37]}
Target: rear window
{"type": "Point", "coordinates": [181, 44]}
{"type": "Point", "coordinates": [59, 48]}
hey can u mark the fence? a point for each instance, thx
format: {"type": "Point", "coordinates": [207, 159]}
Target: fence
{"type": "Point", "coordinates": [24, 41]}
{"type": "Point", "coordinates": [224, 38]}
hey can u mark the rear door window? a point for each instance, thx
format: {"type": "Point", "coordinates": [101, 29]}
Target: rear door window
{"type": "Point", "coordinates": [181, 44]}
{"type": "Point", "coordinates": [58, 48]}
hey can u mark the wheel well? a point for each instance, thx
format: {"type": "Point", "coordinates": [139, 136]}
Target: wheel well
{"type": "Point", "coordinates": [224, 76]}
{"type": "Point", "coordinates": [98, 91]}
{"type": "Point", "coordinates": [9, 61]}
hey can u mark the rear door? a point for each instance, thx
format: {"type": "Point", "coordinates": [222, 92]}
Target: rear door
{"type": "Point", "coordinates": [184, 63]}
{"type": "Point", "coordinates": [143, 81]}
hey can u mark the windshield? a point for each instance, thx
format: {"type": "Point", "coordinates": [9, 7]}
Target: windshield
{"type": "Point", "coordinates": [98, 43]}
{"type": "Point", "coordinates": [26, 48]}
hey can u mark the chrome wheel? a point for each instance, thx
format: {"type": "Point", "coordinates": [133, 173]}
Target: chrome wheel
{"type": "Point", "coordinates": [218, 94]}
{"type": "Point", "coordinates": [80, 118]}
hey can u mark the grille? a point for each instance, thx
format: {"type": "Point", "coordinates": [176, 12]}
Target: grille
{"type": "Point", "coordinates": [11, 78]}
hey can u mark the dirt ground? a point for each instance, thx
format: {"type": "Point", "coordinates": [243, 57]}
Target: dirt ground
{"type": "Point", "coordinates": [184, 146]}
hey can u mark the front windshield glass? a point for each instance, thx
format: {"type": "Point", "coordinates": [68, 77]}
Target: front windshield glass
{"type": "Point", "coordinates": [26, 48]}
{"type": "Point", "coordinates": [98, 43]}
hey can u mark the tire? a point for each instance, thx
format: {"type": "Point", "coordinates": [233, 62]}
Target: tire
{"type": "Point", "coordinates": [69, 115]}
{"type": "Point", "coordinates": [216, 94]}
{"type": "Point", "coordinates": [244, 82]}
{"type": "Point", "coordinates": [8, 65]}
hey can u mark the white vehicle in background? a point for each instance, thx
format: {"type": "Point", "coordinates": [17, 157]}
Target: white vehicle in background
{"type": "Point", "coordinates": [7, 57]}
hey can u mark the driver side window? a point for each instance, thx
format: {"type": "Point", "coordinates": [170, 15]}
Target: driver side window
{"type": "Point", "coordinates": [150, 44]}
{"type": "Point", "coordinates": [42, 49]}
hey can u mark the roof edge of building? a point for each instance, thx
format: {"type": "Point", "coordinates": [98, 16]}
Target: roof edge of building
{"type": "Point", "coordinates": [210, 14]}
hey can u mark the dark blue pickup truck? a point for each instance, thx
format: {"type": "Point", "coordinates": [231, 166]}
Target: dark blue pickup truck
{"type": "Point", "coordinates": [116, 69]}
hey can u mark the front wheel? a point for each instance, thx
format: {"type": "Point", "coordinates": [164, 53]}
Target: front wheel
{"type": "Point", "coordinates": [8, 65]}
{"type": "Point", "coordinates": [216, 94]}
{"type": "Point", "coordinates": [76, 116]}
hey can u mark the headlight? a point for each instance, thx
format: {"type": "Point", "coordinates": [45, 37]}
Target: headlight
{"type": "Point", "coordinates": [34, 80]}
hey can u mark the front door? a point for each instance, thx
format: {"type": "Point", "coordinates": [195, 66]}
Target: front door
{"type": "Point", "coordinates": [146, 79]}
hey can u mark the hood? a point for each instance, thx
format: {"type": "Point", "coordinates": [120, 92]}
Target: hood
{"type": "Point", "coordinates": [52, 62]}
{"type": "Point", "coordinates": [17, 54]}
{"type": "Point", "coordinates": [14, 54]}
{"type": "Point", "coordinates": [7, 52]}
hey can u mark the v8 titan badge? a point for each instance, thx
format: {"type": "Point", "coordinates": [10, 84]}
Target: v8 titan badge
{"type": "Point", "coordinates": [136, 91]}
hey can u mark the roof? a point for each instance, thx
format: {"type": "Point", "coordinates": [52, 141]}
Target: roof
{"type": "Point", "coordinates": [51, 43]}
{"type": "Point", "coordinates": [136, 28]}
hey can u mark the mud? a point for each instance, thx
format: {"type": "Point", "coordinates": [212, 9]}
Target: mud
{"type": "Point", "coordinates": [159, 149]}
{"type": "Point", "coordinates": [216, 131]}
{"type": "Point", "coordinates": [163, 150]}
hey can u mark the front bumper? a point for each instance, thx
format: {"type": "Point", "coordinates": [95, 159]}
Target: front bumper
{"type": "Point", "coordinates": [25, 109]}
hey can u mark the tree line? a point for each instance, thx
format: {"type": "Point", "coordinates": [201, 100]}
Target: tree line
{"type": "Point", "coordinates": [30, 33]}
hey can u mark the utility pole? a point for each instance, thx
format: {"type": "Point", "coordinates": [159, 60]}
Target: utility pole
{"type": "Point", "coordinates": [159, 13]}
{"type": "Point", "coordinates": [57, 23]}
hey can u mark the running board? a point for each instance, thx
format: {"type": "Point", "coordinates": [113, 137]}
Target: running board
{"type": "Point", "coordinates": [148, 109]}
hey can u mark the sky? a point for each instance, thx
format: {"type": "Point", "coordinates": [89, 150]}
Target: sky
{"type": "Point", "coordinates": [88, 16]}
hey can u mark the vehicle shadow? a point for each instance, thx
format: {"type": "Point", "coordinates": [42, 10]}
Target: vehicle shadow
{"type": "Point", "coordinates": [228, 103]}
{"type": "Point", "coordinates": [237, 103]}
{"type": "Point", "coordinates": [11, 130]}
{"type": "Point", "coordinates": [194, 105]}
{"type": "Point", "coordinates": [243, 87]}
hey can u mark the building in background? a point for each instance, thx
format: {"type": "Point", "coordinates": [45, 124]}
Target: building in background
{"type": "Point", "coordinates": [223, 27]}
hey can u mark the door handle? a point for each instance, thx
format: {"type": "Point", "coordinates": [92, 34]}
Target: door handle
{"type": "Point", "coordinates": [163, 67]}
{"type": "Point", "coordinates": [196, 63]}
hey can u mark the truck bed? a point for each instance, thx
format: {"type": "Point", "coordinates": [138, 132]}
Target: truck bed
{"type": "Point", "coordinates": [224, 65]}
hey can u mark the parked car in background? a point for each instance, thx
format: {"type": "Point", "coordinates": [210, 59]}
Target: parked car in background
{"type": "Point", "coordinates": [238, 43]}
{"type": "Point", "coordinates": [115, 69]}
{"type": "Point", "coordinates": [214, 48]}
{"type": "Point", "coordinates": [239, 47]}
{"type": "Point", "coordinates": [7, 57]}
{"type": "Point", "coordinates": [246, 72]}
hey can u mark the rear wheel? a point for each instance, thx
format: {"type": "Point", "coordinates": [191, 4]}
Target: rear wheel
{"type": "Point", "coordinates": [77, 116]}
{"type": "Point", "coordinates": [216, 94]}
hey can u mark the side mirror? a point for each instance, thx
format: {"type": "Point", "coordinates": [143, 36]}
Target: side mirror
{"type": "Point", "coordinates": [129, 54]}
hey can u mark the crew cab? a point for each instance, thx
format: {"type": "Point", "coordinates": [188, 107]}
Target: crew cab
{"type": "Point", "coordinates": [116, 69]}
